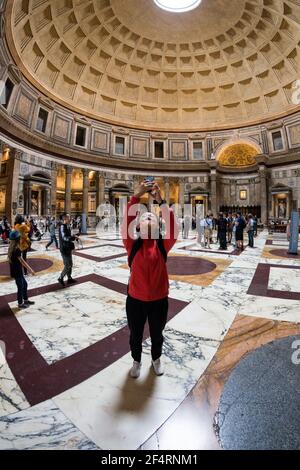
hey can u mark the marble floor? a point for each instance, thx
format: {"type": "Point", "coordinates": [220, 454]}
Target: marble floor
{"type": "Point", "coordinates": [64, 362]}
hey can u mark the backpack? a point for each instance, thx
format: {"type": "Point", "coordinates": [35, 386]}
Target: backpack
{"type": "Point", "coordinates": [138, 244]}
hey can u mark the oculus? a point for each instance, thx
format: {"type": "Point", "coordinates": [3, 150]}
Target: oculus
{"type": "Point", "coordinates": [178, 6]}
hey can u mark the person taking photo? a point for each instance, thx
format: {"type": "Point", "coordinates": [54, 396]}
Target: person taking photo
{"type": "Point", "coordinates": [148, 285]}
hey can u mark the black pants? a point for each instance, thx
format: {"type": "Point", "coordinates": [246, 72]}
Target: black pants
{"type": "Point", "coordinates": [22, 289]}
{"type": "Point", "coordinates": [24, 256]}
{"type": "Point", "coordinates": [222, 238]}
{"type": "Point", "coordinates": [52, 239]}
{"type": "Point", "coordinates": [68, 265]}
{"type": "Point", "coordinates": [138, 312]}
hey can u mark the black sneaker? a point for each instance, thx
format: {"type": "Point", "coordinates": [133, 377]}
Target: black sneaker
{"type": "Point", "coordinates": [29, 302]}
{"type": "Point", "coordinates": [61, 281]}
{"type": "Point", "coordinates": [71, 280]}
{"type": "Point", "coordinates": [23, 305]}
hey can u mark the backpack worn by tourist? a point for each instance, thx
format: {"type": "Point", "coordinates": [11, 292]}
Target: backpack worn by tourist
{"type": "Point", "coordinates": [138, 244]}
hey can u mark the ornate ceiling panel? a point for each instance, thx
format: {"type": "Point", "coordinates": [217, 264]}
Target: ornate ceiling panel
{"type": "Point", "coordinates": [238, 155]}
{"type": "Point", "coordinates": [227, 63]}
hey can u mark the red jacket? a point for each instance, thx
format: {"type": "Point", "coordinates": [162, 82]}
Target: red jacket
{"type": "Point", "coordinates": [149, 277]}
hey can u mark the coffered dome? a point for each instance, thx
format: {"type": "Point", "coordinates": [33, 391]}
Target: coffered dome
{"type": "Point", "coordinates": [227, 63]}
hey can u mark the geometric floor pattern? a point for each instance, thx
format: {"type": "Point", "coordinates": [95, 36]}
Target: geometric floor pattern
{"type": "Point", "coordinates": [64, 362]}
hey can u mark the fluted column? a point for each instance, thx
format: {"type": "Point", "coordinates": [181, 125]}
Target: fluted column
{"type": "Point", "coordinates": [68, 189]}
{"type": "Point", "coordinates": [100, 188]}
{"type": "Point", "coordinates": [11, 196]}
{"type": "Point", "coordinates": [136, 184]}
{"type": "Point", "coordinates": [85, 191]}
{"type": "Point", "coordinates": [181, 192]}
{"type": "Point", "coordinates": [263, 194]}
{"type": "Point", "coordinates": [167, 190]}
{"type": "Point", "coordinates": [53, 189]}
{"type": "Point", "coordinates": [85, 199]}
{"type": "Point", "coordinates": [213, 192]}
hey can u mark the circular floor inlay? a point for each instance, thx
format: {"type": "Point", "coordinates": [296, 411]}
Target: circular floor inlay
{"type": "Point", "coordinates": [284, 253]}
{"type": "Point", "coordinates": [37, 264]}
{"type": "Point", "coordinates": [187, 266]}
{"type": "Point", "coordinates": [260, 404]}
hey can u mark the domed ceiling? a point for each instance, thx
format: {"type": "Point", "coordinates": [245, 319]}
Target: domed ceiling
{"type": "Point", "coordinates": [228, 63]}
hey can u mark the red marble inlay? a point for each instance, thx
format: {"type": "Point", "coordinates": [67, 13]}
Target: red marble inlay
{"type": "Point", "coordinates": [40, 381]}
{"type": "Point", "coordinates": [37, 264]}
{"type": "Point", "coordinates": [260, 281]}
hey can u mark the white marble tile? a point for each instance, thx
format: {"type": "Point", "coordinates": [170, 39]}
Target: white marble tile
{"type": "Point", "coordinates": [12, 398]}
{"type": "Point", "coordinates": [66, 321]}
{"type": "Point", "coordinates": [117, 412]}
{"type": "Point", "coordinates": [210, 319]}
{"type": "Point", "coordinates": [272, 308]}
{"type": "Point", "coordinates": [42, 427]}
{"type": "Point", "coordinates": [285, 261]}
{"type": "Point", "coordinates": [280, 243]}
{"type": "Point", "coordinates": [284, 279]}
{"type": "Point", "coordinates": [104, 251]}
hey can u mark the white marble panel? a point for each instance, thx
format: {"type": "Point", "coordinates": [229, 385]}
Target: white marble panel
{"type": "Point", "coordinates": [12, 398]}
{"type": "Point", "coordinates": [284, 279]}
{"type": "Point", "coordinates": [272, 308]}
{"type": "Point", "coordinates": [117, 412]}
{"type": "Point", "coordinates": [68, 320]}
{"type": "Point", "coordinates": [41, 427]}
{"type": "Point", "coordinates": [104, 251]}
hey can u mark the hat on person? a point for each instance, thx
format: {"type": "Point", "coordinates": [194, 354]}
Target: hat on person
{"type": "Point", "coordinates": [14, 235]}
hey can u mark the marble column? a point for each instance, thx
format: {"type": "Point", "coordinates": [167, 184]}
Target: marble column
{"type": "Point", "coordinates": [85, 199]}
{"type": "Point", "coordinates": [213, 192]}
{"type": "Point", "coordinates": [11, 196]}
{"type": "Point", "coordinates": [136, 184]}
{"type": "Point", "coordinates": [85, 191]}
{"type": "Point", "coordinates": [100, 188]}
{"type": "Point", "coordinates": [53, 189]}
{"type": "Point", "coordinates": [167, 190]}
{"type": "Point", "coordinates": [68, 189]}
{"type": "Point", "coordinates": [181, 192]}
{"type": "Point", "coordinates": [263, 194]}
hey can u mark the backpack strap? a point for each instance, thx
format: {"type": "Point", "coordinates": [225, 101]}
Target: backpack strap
{"type": "Point", "coordinates": [161, 247]}
{"type": "Point", "coordinates": [138, 244]}
{"type": "Point", "coordinates": [135, 248]}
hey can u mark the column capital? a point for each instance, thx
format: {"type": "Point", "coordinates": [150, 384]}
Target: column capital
{"type": "Point", "coordinates": [261, 159]}
{"type": "Point", "coordinates": [213, 166]}
{"type": "Point", "coordinates": [85, 172]}
{"type": "Point", "coordinates": [18, 154]}
{"type": "Point", "coordinates": [69, 169]}
{"type": "Point", "coordinates": [100, 174]}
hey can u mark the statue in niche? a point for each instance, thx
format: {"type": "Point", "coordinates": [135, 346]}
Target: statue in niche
{"type": "Point", "coordinates": [282, 208]}
{"type": "Point", "coordinates": [34, 202]}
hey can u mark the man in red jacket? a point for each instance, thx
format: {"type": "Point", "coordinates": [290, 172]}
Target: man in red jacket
{"type": "Point", "coordinates": [148, 286]}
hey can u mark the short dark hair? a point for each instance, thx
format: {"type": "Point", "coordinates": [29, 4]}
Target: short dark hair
{"type": "Point", "coordinates": [19, 219]}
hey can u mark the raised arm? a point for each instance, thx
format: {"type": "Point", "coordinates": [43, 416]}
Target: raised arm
{"type": "Point", "coordinates": [172, 227]}
{"type": "Point", "coordinates": [130, 215]}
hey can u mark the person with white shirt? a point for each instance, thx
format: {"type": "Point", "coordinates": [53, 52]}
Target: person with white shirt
{"type": "Point", "coordinates": [208, 228]}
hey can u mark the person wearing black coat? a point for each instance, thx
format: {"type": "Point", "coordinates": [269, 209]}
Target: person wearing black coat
{"type": "Point", "coordinates": [66, 246]}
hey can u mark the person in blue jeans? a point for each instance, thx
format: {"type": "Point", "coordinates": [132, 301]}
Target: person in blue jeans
{"type": "Point", "coordinates": [17, 263]}
{"type": "Point", "coordinates": [250, 231]}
